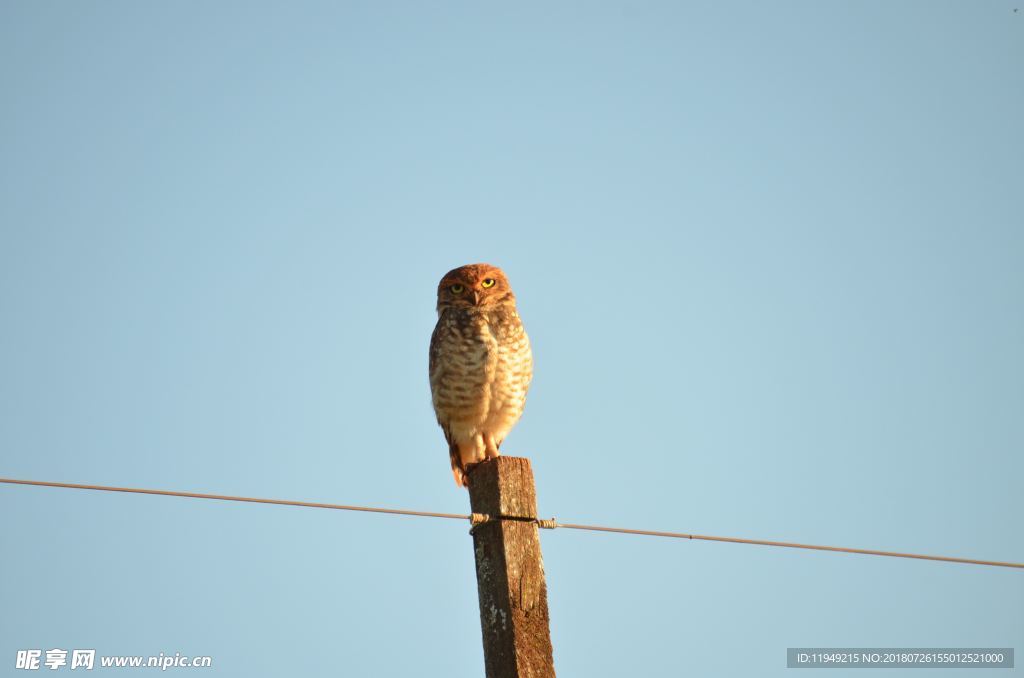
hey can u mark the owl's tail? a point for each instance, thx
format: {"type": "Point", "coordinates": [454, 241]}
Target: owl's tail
{"type": "Point", "coordinates": [458, 470]}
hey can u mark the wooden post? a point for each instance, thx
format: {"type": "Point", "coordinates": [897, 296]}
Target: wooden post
{"type": "Point", "coordinates": [510, 571]}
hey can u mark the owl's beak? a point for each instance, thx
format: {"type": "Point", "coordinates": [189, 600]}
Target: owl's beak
{"type": "Point", "coordinates": [476, 298]}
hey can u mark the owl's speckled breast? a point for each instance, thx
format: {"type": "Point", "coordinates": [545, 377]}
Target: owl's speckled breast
{"type": "Point", "coordinates": [480, 368]}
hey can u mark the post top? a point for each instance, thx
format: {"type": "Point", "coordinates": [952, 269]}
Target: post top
{"type": "Point", "coordinates": [503, 486]}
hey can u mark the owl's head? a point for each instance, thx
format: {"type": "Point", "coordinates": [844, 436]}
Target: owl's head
{"type": "Point", "coordinates": [478, 286]}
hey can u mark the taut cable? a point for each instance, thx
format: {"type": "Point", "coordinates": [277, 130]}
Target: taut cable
{"type": "Point", "coordinates": [479, 519]}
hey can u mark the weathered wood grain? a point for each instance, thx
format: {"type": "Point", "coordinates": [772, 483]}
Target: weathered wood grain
{"type": "Point", "coordinates": [510, 571]}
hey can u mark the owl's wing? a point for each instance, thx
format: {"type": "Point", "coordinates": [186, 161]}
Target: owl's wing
{"type": "Point", "coordinates": [435, 367]}
{"type": "Point", "coordinates": [435, 352]}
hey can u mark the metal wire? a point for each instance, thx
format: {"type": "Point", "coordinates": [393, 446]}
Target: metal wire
{"type": "Point", "coordinates": [478, 519]}
{"type": "Point", "coordinates": [792, 545]}
{"type": "Point", "coordinates": [225, 497]}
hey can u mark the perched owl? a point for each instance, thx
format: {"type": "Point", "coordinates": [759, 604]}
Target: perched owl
{"type": "Point", "coordinates": [480, 364]}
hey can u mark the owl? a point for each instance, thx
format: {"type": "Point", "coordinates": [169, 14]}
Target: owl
{"type": "Point", "coordinates": [480, 364]}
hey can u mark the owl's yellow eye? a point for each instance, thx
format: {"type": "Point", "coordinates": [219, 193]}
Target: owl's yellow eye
{"type": "Point", "coordinates": [488, 282]}
{"type": "Point", "coordinates": [457, 289]}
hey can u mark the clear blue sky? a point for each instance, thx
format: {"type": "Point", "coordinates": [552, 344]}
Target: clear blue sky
{"type": "Point", "coordinates": [769, 254]}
